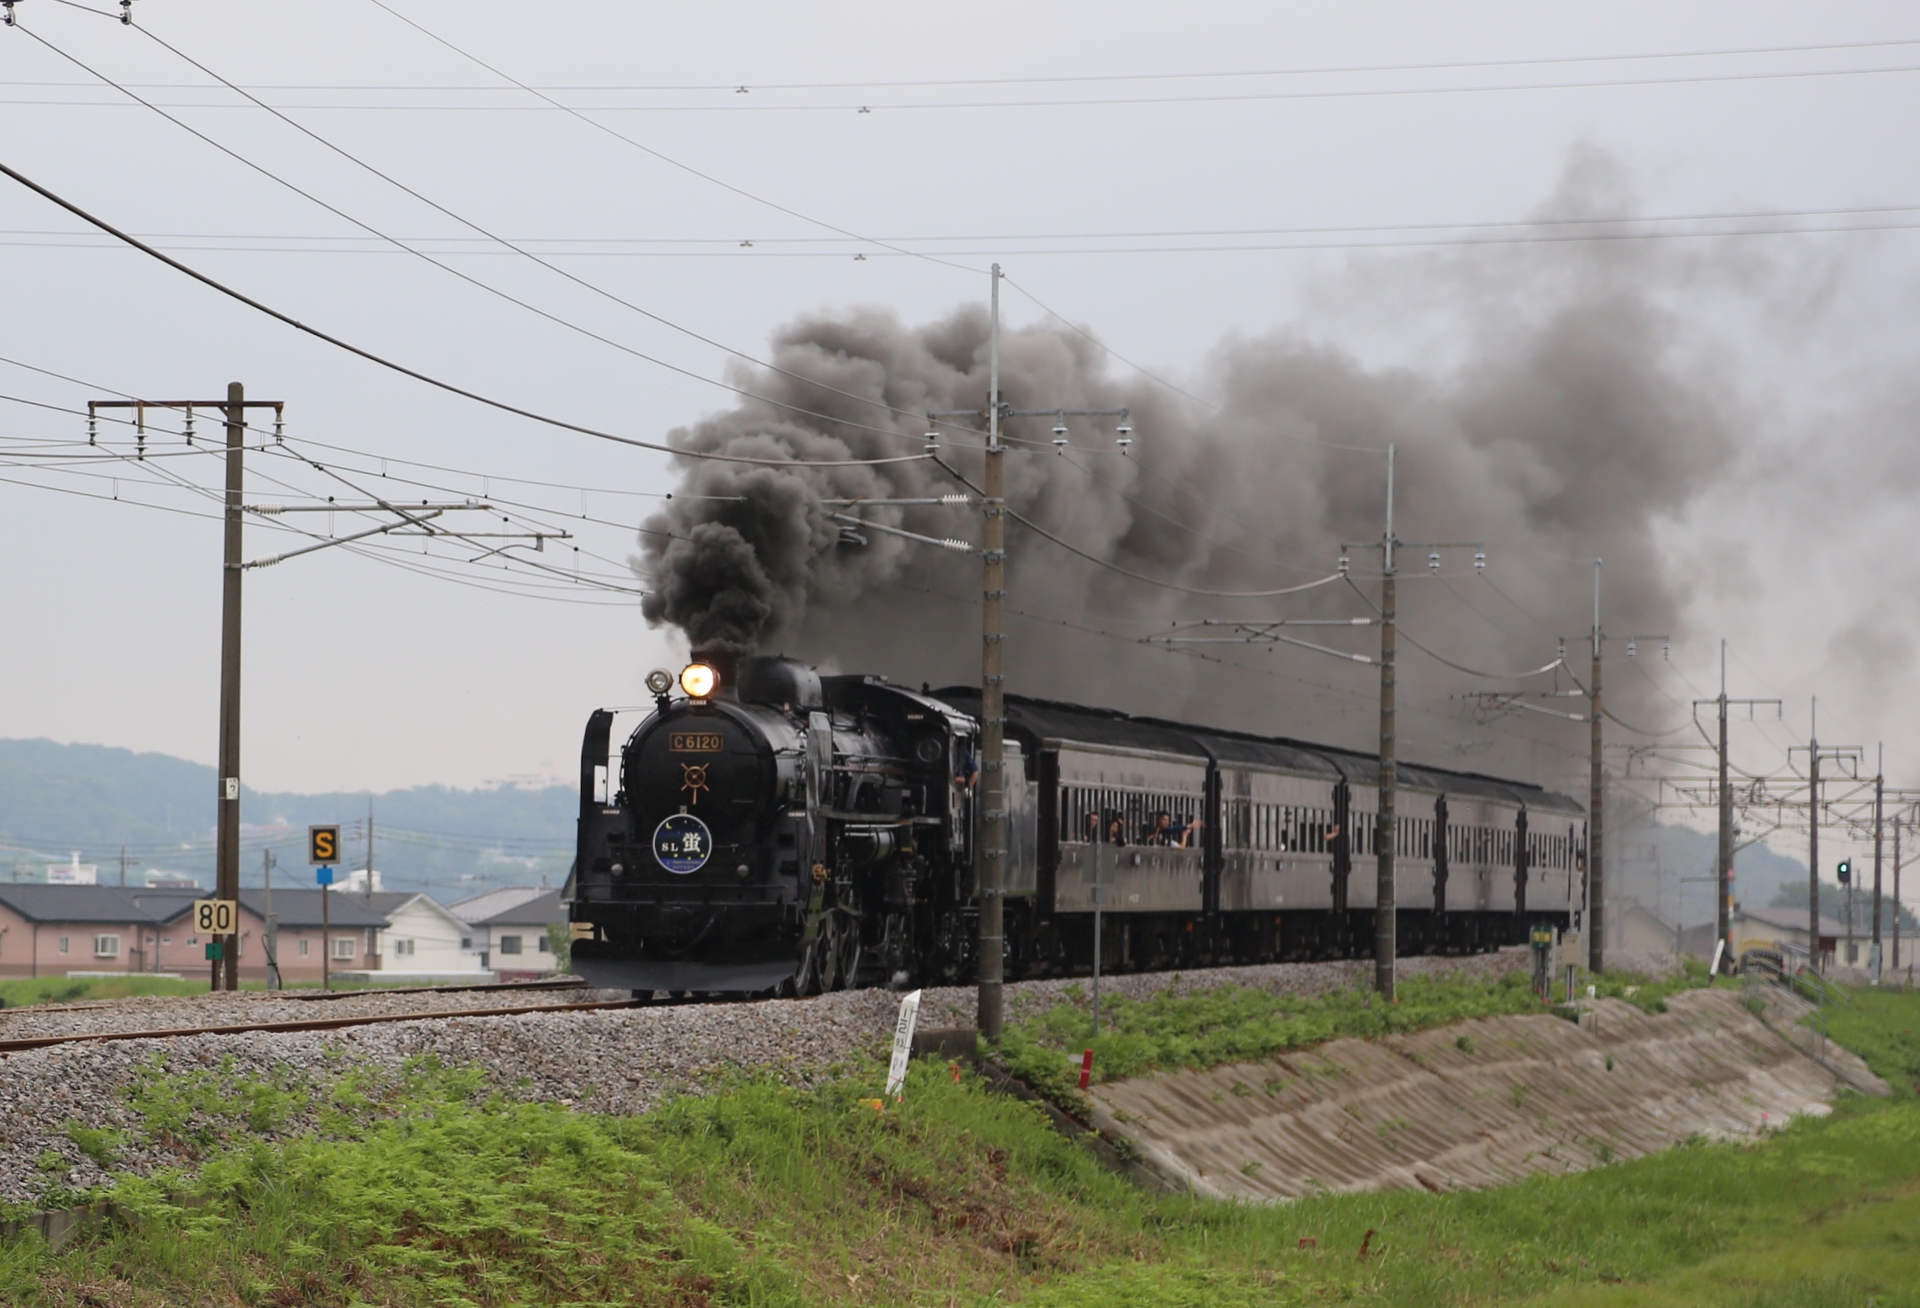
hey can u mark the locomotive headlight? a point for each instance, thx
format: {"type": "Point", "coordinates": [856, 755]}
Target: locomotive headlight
{"type": "Point", "coordinates": [659, 681]}
{"type": "Point", "coordinates": [698, 680]}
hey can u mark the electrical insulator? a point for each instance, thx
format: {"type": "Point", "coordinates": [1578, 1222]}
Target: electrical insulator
{"type": "Point", "coordinates": [1631, 651]}
{"type": "Point", "coordinates": [1480, 561]}
{"type": "Point", "coordinates": [1124, 435]}
{"type": "Point", "coordinates": [1345, 563]}
{"type": "Point", "coordinates": [93, 431]}
{"type": "Point", "coordinates": [1060, 434]}
{"type": "Point", "coordinates": [189, 424]}
{"type": "Point", "coordinates": [933, 441]}
{"type": "Point", "coordinates": [1666, 650]}
{"type": "Point", "coordinates": [1433, 563]}
{"type": "Point", "coordinates": [279, 428]}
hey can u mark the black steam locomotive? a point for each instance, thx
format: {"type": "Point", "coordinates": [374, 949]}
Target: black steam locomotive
{"type": "Point", "coordinates": [773, 830]}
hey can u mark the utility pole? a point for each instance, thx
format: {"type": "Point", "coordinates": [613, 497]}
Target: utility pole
{"type": "Point", "coordinates": [990, 857]}
{"type": "Point", "coordinates": [1597, 788]}
{"type": "Point", "coordinates": [1898, 821]}
{"type": "Point", "coordinates": [369, 868]}
{"type": "Point", "coordinates": [273, 920]}
{"type": "Point", "coordinates": [1596, 803]}
{"type": "Point", "coordinates": [1385, 924]}
{"type": "Point", "coordinates": [1879, 814]}
{"type": "Point", "coordinates": [226, 971]}
{"type": "Point", "coordinates": [1723, 795]}
{"type": "Point", "coordinates": [1848, 757]}
{"type": "Point", "coordinates": [123, 865]}
{"type": "Point", "coordinates": [1386, 827]}
{"type": "Point", "coordinates": [1813, 833]}
{"type": "Point", "coordinates": [1723, 915]}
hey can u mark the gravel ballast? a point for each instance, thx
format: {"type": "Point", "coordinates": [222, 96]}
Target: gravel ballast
{"type": "Point", "coordinates": [619, 1060]}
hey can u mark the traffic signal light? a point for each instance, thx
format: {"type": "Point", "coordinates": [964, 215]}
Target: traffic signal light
{"type": "Point", "coordinates": [1846, 872]}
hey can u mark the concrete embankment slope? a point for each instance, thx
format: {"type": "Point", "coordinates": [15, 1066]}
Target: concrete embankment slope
{"type": "Point", "coordinates": [1481, 1102]}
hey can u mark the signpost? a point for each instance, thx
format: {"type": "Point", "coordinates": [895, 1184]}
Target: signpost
{"type": "Point", "coordinates": [903, 1043]}
{"type": "Point", "coordinates": [323, 851]}
{"type": "Point", "coordinates": [218, 918]}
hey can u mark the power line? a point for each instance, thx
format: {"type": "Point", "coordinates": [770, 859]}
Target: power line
{"type": "Point", "coordinates": [874, 107]}
{"type": "Point", "coordinates": [447, 268]}
{"type": "Point", "coordinates": [329, 244]}
{"type": "Point", "coordinates": [746, 85]}
{"type": "Point", "coordinates": [528, 254]}
{"type": "Point", "coordinates": [416, 375]}
{"type": "Point", "coordinates": [658, 155]}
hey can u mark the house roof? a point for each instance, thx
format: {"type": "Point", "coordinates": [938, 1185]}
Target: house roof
{"type": "Point", "coordinates": [1791, 919]}
{"type": "Point", "coordinates": [514, 906]}
{"type": "Point", "coordinates": [389, 902]}
{"type": "Point", "coordinates": [106, 904]}
{"type": "Point", "coordinates": [301, 908]}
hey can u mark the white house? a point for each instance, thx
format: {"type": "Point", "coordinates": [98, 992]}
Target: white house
{"type": "Point", "coordinates": [509, 929]}
{"type": "Point", "coordinates": [421, 940]}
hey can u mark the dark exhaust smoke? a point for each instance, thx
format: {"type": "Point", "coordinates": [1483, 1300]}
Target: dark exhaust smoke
{"type": "Point", "coordinates": [1573, 412]}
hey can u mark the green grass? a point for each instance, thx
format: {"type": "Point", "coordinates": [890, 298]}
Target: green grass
{"type": "Point", "coordinates": [68, 990]}
{"type": "Point", "coordinates": [422, 1189]}
{"type": "Point", "coordinates": [1229, 1024]}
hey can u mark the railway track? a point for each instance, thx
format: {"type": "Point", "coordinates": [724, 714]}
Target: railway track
{"type": "Point", "coordinates": [313, 1024]}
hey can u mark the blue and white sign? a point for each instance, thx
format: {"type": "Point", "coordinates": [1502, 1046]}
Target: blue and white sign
{"type": "Point", "coordinates": [682, 843]}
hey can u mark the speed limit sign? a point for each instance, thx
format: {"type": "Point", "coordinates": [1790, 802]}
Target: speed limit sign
{"type": "Point", "coordinates": [216, 917]}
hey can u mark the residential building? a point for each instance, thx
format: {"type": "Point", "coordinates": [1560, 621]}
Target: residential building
{"type": "Point", "coordinates": [422, 939]}
{"type": "Point", "coordinates": [351, 940]}
{"type": "Point", "coordinates": [60, 930]}
{"type": "Point", "coordinates": [509, 929]}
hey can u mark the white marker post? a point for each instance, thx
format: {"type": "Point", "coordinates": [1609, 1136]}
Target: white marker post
{"type": "Point", "coordinates": [903, 1043]}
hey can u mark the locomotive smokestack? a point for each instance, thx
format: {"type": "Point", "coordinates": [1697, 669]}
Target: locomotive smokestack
{"type": "Point", "coordinates": [726, 667]}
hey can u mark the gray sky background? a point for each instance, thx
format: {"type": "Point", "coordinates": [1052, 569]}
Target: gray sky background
{"type": "Point", "coordinates": [361, 673]}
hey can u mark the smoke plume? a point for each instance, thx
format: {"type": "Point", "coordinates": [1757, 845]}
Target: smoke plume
{"type": "Point", "coordinates": [1571, 410]}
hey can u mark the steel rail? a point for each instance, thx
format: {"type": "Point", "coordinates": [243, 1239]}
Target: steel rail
{"type": "Point", "coordinates": [316, 1024]}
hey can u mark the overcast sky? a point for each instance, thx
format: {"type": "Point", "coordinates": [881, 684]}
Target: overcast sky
{"type": "Point", "coordinates": [998, 128]}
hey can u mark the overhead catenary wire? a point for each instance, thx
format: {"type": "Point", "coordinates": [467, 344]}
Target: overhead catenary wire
{"type": "Point", "coordinates": [426, 378]}
{"type": "Point", "coordinates": [661, 156]}
{"type": "Point", "coordinates": [522, 252]}
{"type": "Point", "coordinates": [1402, 633]}
{"type": "Point", "coordinates": [1034, 527]}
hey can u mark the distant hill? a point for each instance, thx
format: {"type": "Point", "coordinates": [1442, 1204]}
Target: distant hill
{"type": "Point", "coordinates": [55, 799]}
{"type": "Point", "coordinates": [1665, 868]}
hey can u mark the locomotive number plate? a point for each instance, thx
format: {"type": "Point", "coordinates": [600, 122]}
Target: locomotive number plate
{"type": "Point", "coordinates": [683, 844]}
{"type": "Point", "coordinates": [696, 742]}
